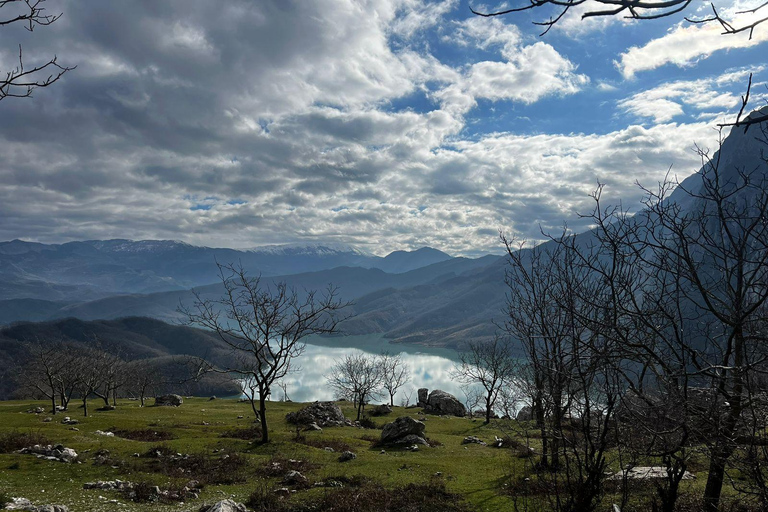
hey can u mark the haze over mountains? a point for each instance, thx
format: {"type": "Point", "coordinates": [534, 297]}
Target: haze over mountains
{"type": "Point", "coordinates": [424, 296]}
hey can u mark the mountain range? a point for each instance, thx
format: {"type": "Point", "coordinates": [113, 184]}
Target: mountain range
{"type": "Point", "coordinates": [423, 296]}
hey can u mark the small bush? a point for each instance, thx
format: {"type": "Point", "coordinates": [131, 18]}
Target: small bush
{"type": "Point", "coordinates": [5, 499]}
{"type": "Point", "coordinates": [15, 441]}
{"type": "Point", "coordinates": [159, 451]}
{"type": "Point", "coordinates": [367, 422]}
{"type": "Point", "coordinates": [264, 499]}
{"type": "Point", "coordinates": [142, 492]}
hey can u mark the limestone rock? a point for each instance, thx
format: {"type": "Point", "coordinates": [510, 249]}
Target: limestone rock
{"type": "Point", "coordinates": [422, 397]}
{"type": "Point", "coordinates": [404, 430]}
{"type": "Point", "coordinates": [169, 400]}
{"type": "Point", "coordinates": [224, 506]}
{"type": "Point", "coordinates": [295, 478]}
{"type": "Point", "coordinates": [441, 402]}
{"type": "Point", "coordinates": [346, 456]}
{"type": "Point", "coordinates": [381, 410]}
{"type": "Point", "coordinates": [51, 452]}
{"type": "Point", "coordinates": [324, 414]}
{"type": "Point", "coordinates": [474, 440]}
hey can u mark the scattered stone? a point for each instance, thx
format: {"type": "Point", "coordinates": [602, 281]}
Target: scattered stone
{"type": "Point", "coordinates": [441, 402]}
{"type": "Point", "coordinates": [313, 427]}
{"type": "Point", "coordinates": [383, 452]}
{"type": "Point", "coordinates": [324, 414]}
{"type": "Point", "coordinates": [51, 452]}
{"type": "Point", "coordinates": [109, 485]}
{"type": "Point", "coordinates": [295, 478]}
{"type": "Point", "coordinates": [74, 429]}
{"type": "Point", "coordinates": [169, 400]}
{"type": "Point", "coordinates": [47, 419]}
{"type": "Point", "coordinates": [329, 449]}
{"type": "Point", "coordinates": [525, 414]}
{"type": "Point", "coordinates": [412, 448]}
{"type": "Point", "coordinates": [347, 456]}
{"type": "Point", "coordinates": [107, 434]}
{"type": "Point", "coordinates": [646, 473]}
{"type": "Point", "coordinates": [69, 421]}
{"type": "Point", "coordinates": [498, 442]}
{"type": "Point", "coordinates": [404, 430]}
{"type": "Point", "coordinates": [28, 506]}
{"type": "Point", "coordinates": [224, 506]}
{"type": "Point", "coordinates": [474, 440]}
{"type": "Point", "coordinates": [36, 410]}
{"type": "Point", "coordinates": [240, 417]}
{"type": "Point", "coordinates": [282, 492]}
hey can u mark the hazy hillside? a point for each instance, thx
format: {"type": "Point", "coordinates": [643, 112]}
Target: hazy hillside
{"type": "Point", "coordinates": [132, 338]}
{"type": "Point", "coordinates": [78, 271]}
{"type": "Point", "coordinates": [352, 283]}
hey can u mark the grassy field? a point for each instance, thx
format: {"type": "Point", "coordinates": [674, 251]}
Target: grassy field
{"type": "Point", "coordinates": [478, 473]}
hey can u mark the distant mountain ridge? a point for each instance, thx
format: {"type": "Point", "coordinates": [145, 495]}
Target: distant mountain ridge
{"type": "Point", "coordinates": [94, 269]}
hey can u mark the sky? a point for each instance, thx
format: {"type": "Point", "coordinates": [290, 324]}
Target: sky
{"type": "Point", "coordinates": [383, 124]}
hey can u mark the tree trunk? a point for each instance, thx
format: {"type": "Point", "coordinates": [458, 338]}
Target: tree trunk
{"type": "Point", "coordinates": [391, 399]}
{"type": "Point", "coordinates": [53, 404]}
{"type": "Point", "coordinates": [263, 417]}
{"type": "Point", "coordinates": [488, 409]}
{"type": "Point", "coordinates": [85, 405]}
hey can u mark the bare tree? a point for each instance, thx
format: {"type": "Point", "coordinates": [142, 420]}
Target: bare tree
{"type": "Point", "coordinates": [358, 375]}
{"type": "Point", "coordinates": [143, 377]}
{"type": "Point", "coordinates": [489, 364]}
{"type": "Point", "coordinates": [113, 376]}
{"type": "Point", "coordinates": [42, 371]}
{"type": "Point", "coordinates": [20, 81]}
{"type": "Point", "coordinates": [264, 326]}
{"type": "Point", "coordinates": [395, 374]}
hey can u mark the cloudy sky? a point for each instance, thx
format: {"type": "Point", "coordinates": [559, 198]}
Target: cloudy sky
{"type": "Point", "coordinates": [386, 124]}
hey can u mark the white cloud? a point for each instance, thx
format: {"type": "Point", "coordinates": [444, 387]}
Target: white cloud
{"type": "Point", "coordinates": [711, 97]}
{"type": "Point", "coordinates": [685, 44]}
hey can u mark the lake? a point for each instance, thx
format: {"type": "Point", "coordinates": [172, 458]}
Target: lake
{"type": "Point", "coordinates": [430, 367]}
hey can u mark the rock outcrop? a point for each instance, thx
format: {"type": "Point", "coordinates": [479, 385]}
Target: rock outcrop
{"type": "Point", "coordinates": [224, 506]}
{"type": "Point", "coordinates": [324, 414]}
{"type": "Point", "coordinates": [441, 402]}
{"type": "Point", "coordinates": [169, 400]}
{"type": "Point", "coordinates": [404, 430]}
{"type": "Point", "coordinates": [423, 392]}
{"type": "Point", "coordinates": [28, 506]}
{"type": "Point", "coordinates": [51, 452]}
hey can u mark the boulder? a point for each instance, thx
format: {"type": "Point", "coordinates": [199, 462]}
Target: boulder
{"type": "Point", "coordinates": [295, 478]}
{"type": "Point", "coordinates": [169, 400]}
{"type": "Point", "coordinates": [224, 506]}
{"type": "Point", "coordinates": [381, 410]}
{"type": "Point", "coordinates": [347, 456]}
{"type": "Point", "coordinates": [404, 430]}
{"type": "Point", "coordinates": [423, 397]}
{"type": "Point", "coordinates": [473, 440]}
{"type": "Point", "coordinates": [441, 402]}
{"type": "Point", "coordinates": [525, 414]}
{"type": "Point", "coordinates": [324, 414]}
